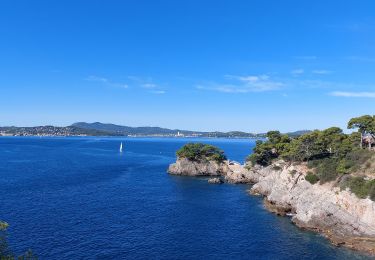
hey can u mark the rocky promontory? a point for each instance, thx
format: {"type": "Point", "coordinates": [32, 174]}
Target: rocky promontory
{"type": "Point", "coordinates": [327, 207]}
{"type": "Point", "coordinates": [184, 166]}
{"type": "Point", "coordinates": [207, 160]}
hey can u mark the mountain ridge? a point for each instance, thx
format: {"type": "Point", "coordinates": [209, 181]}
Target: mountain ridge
{"type": "Point", "coordinates": [109, 129]}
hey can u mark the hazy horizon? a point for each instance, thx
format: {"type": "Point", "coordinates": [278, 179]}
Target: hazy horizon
{"type": "Point", "coordinates": [250, 66]}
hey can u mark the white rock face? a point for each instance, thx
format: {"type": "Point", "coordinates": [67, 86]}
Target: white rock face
{"type": "Point", "coordinates": [191, 168]}
{"type": "Point", "coordinates": [215, 181]}
{"type": "Point", "coordinates": [343, 217]}
{"type": "Point", "coordinates": [239, 174]}
{"type": "Point", "coordinates": [231, 171]}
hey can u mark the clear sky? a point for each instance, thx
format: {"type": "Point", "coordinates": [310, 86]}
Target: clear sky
{"type": "Point", "coordinates": [200, 65]}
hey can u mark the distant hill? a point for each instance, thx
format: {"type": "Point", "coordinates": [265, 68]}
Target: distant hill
{"type": "Point", "coordinates": [148, 130]}
{"type": "Point", "coordinates": [100, 129]}
{"type": "Point", "coordinates": [50, 131]}
{"type": "Point", "coordinates": [127, 130]}
{"type": "Point", "coordinates": [298, 133]}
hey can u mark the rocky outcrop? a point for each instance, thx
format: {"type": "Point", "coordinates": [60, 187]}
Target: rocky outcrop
{"type": "Point", "coordinates": [339, 214]}
{"type": "Point", "coordinates": [215, 181]}
{"type": "Point", "coordinates": [232, 172]}
{"type": "Point", "coordinates": [240, 174]}
{"type": "Point", "coordinates": [187, 167]}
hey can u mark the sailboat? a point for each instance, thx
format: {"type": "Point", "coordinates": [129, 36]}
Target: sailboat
{"type": "Point", "coordinates": [121, 147]}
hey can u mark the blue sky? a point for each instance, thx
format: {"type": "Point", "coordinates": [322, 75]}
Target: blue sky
{"type": "Point", "coordinates": [201, 65]}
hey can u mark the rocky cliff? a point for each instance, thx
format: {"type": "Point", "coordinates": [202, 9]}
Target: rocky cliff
{"type": "Point", "coordinates": [232, 172]}
{"type": "Point", "coordinates": [186, 167]}
{"type": "Point", "coordinates": [338, 214]}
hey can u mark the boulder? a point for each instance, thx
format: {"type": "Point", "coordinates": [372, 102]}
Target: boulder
{"type": "Point", "coordinates": [215, 181]}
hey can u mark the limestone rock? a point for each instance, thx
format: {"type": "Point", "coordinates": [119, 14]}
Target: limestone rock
{"type": "Point", "coordinates": [232, 172]}
{"type": "Point", "coordinates": [215, 181]}
{"type": "Point", "coordinates": [340, 215]}
{"type": "Point", "coordinates": [184, 166]}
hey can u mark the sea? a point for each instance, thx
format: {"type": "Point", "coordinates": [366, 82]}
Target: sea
{"type": "Point", "coordinates": [80, 198]}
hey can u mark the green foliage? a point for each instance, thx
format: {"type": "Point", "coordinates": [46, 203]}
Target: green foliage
{"type": "Point", "coordinates": [3, 226]}
{"type": "Point", "coordinates": [265, 152]}
{"type": "Point", "coordinates": [327, 170]}
{"type": "Point", "coordinates": [5, 252]}
{"type": "Point", "coordinates": [201, 152]}
{"type": "Point", "coordinates": [4, 249]}
{"type": "Point", "coordinates": [361, 187]}
{"type": "Point", "coordinates": [365, 124]}
{"type": "Point", "coordinates": [330, 152]}
{"type": "Point", "coordinates": [312, 178]}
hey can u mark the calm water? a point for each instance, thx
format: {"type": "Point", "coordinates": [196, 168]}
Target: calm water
{"type": "Point", "coordinates": [78, 198]}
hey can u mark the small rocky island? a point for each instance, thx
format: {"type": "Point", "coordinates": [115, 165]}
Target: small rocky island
{"type": "Point", "coordinates": [324, 180]}
{"type": "Point", "coordinates": [197, 159]}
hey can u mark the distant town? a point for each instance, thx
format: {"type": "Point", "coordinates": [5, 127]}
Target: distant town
{"type": "Point", "coordinates": [100, 129]}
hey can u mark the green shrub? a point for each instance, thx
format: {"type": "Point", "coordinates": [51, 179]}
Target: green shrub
{"type": "Point", "coordinates": [330, 152]}
{"type": "Point", "coordinates": [312, 178]}
{"type": "Point", "coordinates": [358, 186]}
{"type": "Point", "coordinates": [199, 152]}
{"type": "Point", "coordinates": [5, 252]}
{"type": "Point", "coordinates": [368, 165]}
{"type": "Point", "coordinates": [371, 191]}
{"type": "Point", "coordinates": [327, 170]}
{"type": "Point", "coordinates": [357, 158]}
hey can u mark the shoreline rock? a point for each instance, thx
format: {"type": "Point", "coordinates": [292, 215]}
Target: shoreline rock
{"type": "Point", "coordinates": [215, 181]}
{"type": "Point", "coordinates": [338, 214]}
{"type": "Point", "coordinates": [186, 167]}
{"type": "Point", "coordinates": [232, 172]}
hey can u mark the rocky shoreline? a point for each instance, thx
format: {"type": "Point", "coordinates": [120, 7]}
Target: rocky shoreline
{"type": "Point", "coordinates": [338, 214]}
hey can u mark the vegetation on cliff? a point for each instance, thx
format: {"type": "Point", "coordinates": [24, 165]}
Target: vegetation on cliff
{"type": "Point", "coordinates": [201, 152]}
{"type": "Point", "coordinates": [329, 153]}
{"type": "Point", "coordinates": [5, 252]}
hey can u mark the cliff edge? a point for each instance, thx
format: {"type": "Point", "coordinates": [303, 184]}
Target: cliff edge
{"type": "Point", "coordinates": [339, 214]}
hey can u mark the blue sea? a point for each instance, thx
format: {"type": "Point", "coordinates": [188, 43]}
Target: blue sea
{"type": "Point", "coordinates": [79, 198]}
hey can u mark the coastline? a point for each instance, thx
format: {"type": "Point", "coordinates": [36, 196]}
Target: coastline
{"type": "Point", "coordinates": [339, 215]}
{"type": "Point", "coordinates": [140, 136]}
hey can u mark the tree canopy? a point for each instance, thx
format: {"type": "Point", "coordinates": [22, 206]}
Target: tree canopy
{"type": "Point", "coordinates": [365, 125]}
{"type": "Point", "coordinates": [201, 152]}
{"type": "Point", "coordinates": [330, 152]}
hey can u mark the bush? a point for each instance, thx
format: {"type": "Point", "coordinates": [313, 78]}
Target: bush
{"type": "Point", "coordinates": [357, 158]}
{"type": "Point", "coordinates": [5, 252]}
{"type": "Point", "coordinates": [371, 192]}
{"type": "Point", "coordinates": [276, 168]}
{"type": "Point", "coordinates": [312, 178]}
{"type": "Point", "coordinates": [358, 186]}
{"type": "Point", "coordinates": [199, 152]}
{"type": "Point", "coordinates": [361, 188]}
{"type": "Point", "coordinates": [330, 152]}
{"type": "Point", "coordinates": [368, 165]}
{"type": "Point", "coordinates": [327, 170]}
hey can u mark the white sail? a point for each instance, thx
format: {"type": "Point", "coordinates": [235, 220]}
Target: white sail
{"type": "Point", "coordinates": [121, 147]}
